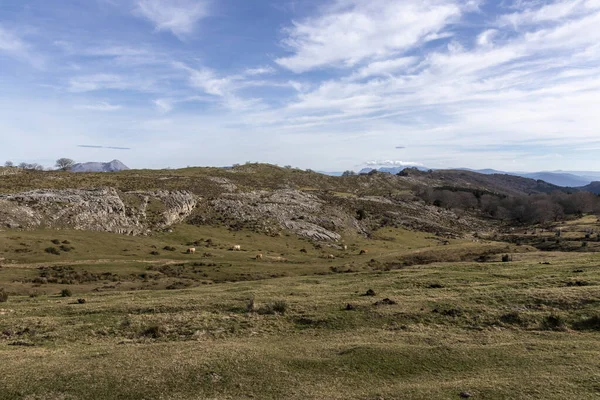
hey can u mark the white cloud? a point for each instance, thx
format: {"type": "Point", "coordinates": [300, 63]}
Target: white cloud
{"type": "Point", "coordinates": [163, 105]}
{"type": "Point", "coordinates": [259, 71]}
{"type": "Point", "coordinates": [207, 80]}
{"type": "Point", "coordinates": [103, 106]}
{"type": "Point", "coordinates": [485, 38]}
{"type": "Point", "coordinates": [90, 83]}
{"type": "Point", "coordinates": [10, 43]}
{"type": "Point", "coordinates": [178, 16]}
{"type": "Point", "coordinates": [554, 12]}
{"type": "Point", "coordinates": [353, 31]}
{"type": "Point", "coordinates": [387, 67]}
{"type": "Point", "coordinates": [14, 46]}
{"type": "Point", "coordinates": [392, 163]}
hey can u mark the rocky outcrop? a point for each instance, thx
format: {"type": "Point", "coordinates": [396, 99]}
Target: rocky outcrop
{"type": "Point", "coordinates": [102, 209]}
{"type": "Point", "coordinates": [301, 212]}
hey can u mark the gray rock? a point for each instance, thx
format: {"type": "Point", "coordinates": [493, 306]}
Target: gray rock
{"type": "Point", "coordinates": [102, 209]}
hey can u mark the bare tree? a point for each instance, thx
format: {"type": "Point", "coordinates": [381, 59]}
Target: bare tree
{"type": "Point", "coordinates": [64, 164]}
{"type": "Point", "coordinates": [9, 164]}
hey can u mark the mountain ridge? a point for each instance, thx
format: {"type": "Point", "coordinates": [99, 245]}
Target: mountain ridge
{"type": "Point", "coordinates": [111, 166]}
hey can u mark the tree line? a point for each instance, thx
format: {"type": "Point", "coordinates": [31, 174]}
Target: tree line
{"type": "Point", "coordinates": [62, 164]}
{"type": "Point", "coordinates": [534, 208]}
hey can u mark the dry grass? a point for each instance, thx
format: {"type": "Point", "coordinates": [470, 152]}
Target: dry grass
{"type": "Point", "coordinates": [515, 330]}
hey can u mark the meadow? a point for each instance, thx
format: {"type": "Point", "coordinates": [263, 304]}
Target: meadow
{"type": "Point", "coordinates": [415, 318]}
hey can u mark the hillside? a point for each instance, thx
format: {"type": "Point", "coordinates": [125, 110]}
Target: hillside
{"type": "Point", "coordinates": [593, 187]}
{"type": "Point", "coordinates": [263, 198]}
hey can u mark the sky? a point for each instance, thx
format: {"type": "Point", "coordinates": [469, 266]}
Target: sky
{"type": "Point", "coordinates": [323, 84]}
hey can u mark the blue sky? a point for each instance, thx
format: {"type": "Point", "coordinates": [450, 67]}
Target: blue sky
{"type": "Point", "coordinates": [327, 85]}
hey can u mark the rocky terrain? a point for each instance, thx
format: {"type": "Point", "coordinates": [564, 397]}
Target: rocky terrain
{"type": "Point", "coordinates": [102, 209]}
{"type": "Point", "coordinates": [263, 198]}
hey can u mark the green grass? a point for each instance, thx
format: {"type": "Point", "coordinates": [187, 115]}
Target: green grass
{"type": "Point", "coordinates": [486, 328]}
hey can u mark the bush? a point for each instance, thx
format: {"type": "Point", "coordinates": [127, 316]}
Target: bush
{"type": "Point", "coordinates": [512, 318]}
{"type": "Point", "coordinates": [81, 301]}
{"type": "Point", "coordinates": [66, 293]}
{"type": "Point", "coordinates": [169, 248]}
{"type": "Point", "coordinates": [588, 324]}
{"type": "Point", "coordinates": [153, 331]}
{"type": "Point", "coordinates": [155, 253]}
{"type": "Point", "coordinates": [52, 250]}
{"type": "Point", "coordinates": [3, 296]}
{"type": "Point", "coordinates": [506, 258]}
{"type": "Point", "coordinates": [55, 241]}
{"type": "Point", "coordinates": [277, 307]}
{"type": "Point", "coordinates": [553, 322]}
{"type": "Point", "coordinates": [66, 248]}
{"type": "Point", "coordinates": [66, 242]}
{"type": "Point", "coordinates": [250, 306]}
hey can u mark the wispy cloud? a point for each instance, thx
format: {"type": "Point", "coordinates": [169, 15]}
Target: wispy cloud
{"type": "Point", "coordinates": [9, 42]}
{"type": "Point", "coordinates": [91, 146]}
{"type": "Point", "coordinates": [259, 71]}
{"type": "Point", "coordinates": [13, 45]}
{"type": "Point", "coordinates": [103, 106]}
{"type": "Point", "coordinates": [177, 16]}
{"type": "Point", "coordinates": [90, 83]}
{"type": "Point", "coordinates": [352, 31]}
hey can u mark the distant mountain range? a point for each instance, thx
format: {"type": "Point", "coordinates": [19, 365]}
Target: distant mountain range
{"type": "Point", "coordinates": [559, 178]}
{"type": "Point", "coordinates": [112, 166]}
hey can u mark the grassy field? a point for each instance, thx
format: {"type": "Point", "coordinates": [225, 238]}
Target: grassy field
{"type": "Point", "coordinates": [297, 324]}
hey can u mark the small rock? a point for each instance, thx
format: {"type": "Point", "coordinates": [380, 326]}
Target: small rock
{"type": "Point", "coordinates": [81, 301]}
{"type": "Point", "coordinates": [369, 292]}
{"type": "Point", "coordinates": [465, 395]}
{"type": "Point", "coordinates": [350, 307]}
{"type": "Point", "coordinates": [385, 302]}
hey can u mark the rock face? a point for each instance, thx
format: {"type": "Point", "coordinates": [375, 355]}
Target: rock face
{"type": "Point", "coordinates": [103, 209]}
{"type": "Point", "coordinates": [303, 213]}
{"type": "Point", "coordinates": [113, 166]}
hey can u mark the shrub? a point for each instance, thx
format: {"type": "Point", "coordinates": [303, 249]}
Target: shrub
{"type": "Point", "coordinates": [250, 306]}
{"type": "Point", "coordinates": [3, 296]}
{"type": "Point", "coordinates": [277, 307]}
{"type": "Point", "coordinates": [155, 253]}
{"type": "Point", "coordinates": [52, 250]}
{"type": "Point", "coordinates": [588, 324]}
{"type": "Point", "coordinates": [553, 322]}
{"type": "Point", "coordinates": [169, 248]}
{"type": "Point", "coordinates": [66, 242]}
{"type": "Point", "coordinates": [280, 306]}
{"type": "Point", "coordinates": [513, 318]}
{"type": "Point", "coordinates": [361, 214]}
{"type": "Point", "coordinates": [66, 248]}
{"type": "Point", "coordinates": [153, 331]}
{"type": "Point", "coordinates": [81, 301]}
{"type": "Point", "coordinates": [505, 258]}
{"type": "Point", "coordinates": [55, 241]}
{"type": "Point", "coordinates": [66, 293]}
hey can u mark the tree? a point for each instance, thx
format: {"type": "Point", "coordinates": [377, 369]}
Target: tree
{"type": "Point", "coordinates": [64, 164]}
{"type": "Point", "coordinates": [348, 173]}
{"type": "Point", "coordinates": [9, 164]}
